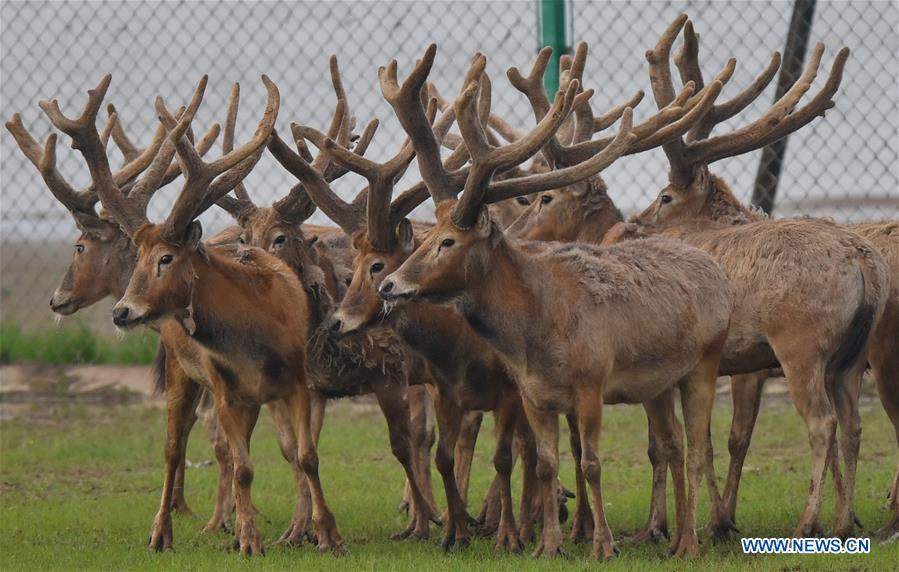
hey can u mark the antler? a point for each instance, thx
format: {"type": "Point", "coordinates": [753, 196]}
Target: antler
{"type": "Point", "coordinates": [687, 61]}
{"type": "Point", "coordinates": [44, 159]}
{"type": "Point", "coordinates": [241, 204]}
{"type": "Point", "coordinates": [780, 120]}
{"type": "Point", "coordinates": [407, 105]}
{"type": "Point", "coordinates": [488, 159]}
{"type": "Point", "coordinates": [207, 182]}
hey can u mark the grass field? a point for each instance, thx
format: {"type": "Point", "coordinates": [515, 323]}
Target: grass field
{"type": "Point", "coordinates": [80, 485]}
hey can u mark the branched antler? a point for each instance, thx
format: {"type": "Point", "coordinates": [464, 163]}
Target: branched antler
{"type": "Point", "coordinates": [781, 119]}
{"type": "Point", "coordinates": [206, 182]}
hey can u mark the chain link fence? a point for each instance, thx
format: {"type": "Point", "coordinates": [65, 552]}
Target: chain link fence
{"type": "Point", "coordinates": [844, 166]}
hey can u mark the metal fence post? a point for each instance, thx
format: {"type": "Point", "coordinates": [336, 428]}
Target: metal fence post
{"type": "Point", "coordinates": [552, 34]}
{"type": "Point", "coordinates": [768, 175]}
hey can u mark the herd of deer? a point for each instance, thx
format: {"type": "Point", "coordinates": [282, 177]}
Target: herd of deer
{"type": "Point", "coordinates": [530, 296]}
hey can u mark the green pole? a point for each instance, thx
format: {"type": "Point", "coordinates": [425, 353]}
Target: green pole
{"type": "Point", "coordinates": [552, 34]}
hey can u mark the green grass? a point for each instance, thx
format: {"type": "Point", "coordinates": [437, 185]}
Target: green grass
{"type": "Point", "coordinates": [79, 486]}
{"type": "Point", "coordinates": [74, 342]}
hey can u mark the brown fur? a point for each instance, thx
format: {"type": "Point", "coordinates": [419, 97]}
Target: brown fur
{"type": "Point", "coordinates": [242, 367]}
{"type": "Point", "coordinates": [787, 276]}
{"type": "Point", "coordinates": [468, 376]}
{"type": "Point", "coordinates": [561, 316]}
{"type": "Point", "coordinates": [338, 368]}
{"type": "Point", "coordinates": [579, 213]}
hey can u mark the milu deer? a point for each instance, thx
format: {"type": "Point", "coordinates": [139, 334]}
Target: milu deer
{"type": "Point", "coordinates": [550, 310]}
{"type": "Point", "coordinates": [103, 262]}
{"type": "Point", "coordinates": [468, 375]}
{"type": "Point", "coordinates": [350, 367]}
{"type": "Point", "coordinates": [176, 283]}
{"type": "Point", "coordinates": [583, 212]}
{"type": "Point", "coordinates": [808, 292]}
{"type": "Point", "coordinates": [104, 255]}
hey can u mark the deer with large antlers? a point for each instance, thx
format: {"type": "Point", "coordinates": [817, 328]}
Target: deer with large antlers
{"type": "Point", "coordinates": [460, 380]}
{"type": "Point", "coordinates": [351, 367]}
{"type": "Point", "coordinates": [522, 300]}
{"type": "Point", "coordinates": [104, 256]}
{"type": "Point", "coordinates": [103, 262]}
{"type": "Point", "coordinates": [816, 329]}
{"type": "Point", "coordinates": [175, 284]}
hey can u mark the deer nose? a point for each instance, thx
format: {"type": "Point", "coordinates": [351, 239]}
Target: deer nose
{"type": "Point", "coordinates": [386, 288]}
{"type": "Point", "coordinates": [335, 327]}
{"type": "Point", "coordinates": [120, 315]}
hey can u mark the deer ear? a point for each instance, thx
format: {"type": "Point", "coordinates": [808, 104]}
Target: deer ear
{"type": "Point", "coordinates": [404, 235]}
{"type": "Point", "coordinates": [193, 235]}
{"type": "Point", "coordinates": [484, 223]}
{"type": "Point", "coordinates": [96, 226]}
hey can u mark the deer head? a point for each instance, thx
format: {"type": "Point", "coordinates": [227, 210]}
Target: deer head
{"type": "Point", "coordinates": [277, 228]}
{"type": "Point", "coordinates": [583, 211]}
{"type": "Point", "coordinates": [692, 190]}
{"type": "Point", "coordinates": [458, 250]}
{"type": "Point", "coordinates": [104, 255]}
{"type": "Point", "coordinates": [160, 284]}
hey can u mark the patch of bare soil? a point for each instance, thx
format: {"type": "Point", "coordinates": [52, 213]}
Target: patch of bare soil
{"type": "Point", "coordinates": [24, 385]}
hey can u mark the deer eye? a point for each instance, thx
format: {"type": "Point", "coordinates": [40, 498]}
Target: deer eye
{"type": "Point", "coordinates": [665, 199]}
{"type": "Point", "coordinates": [280, 239]}
{"type": "Point", "coordinates": [377, 267]}
{"type": "Point", "coordinates": [79, 249]}
{"type": "Point", "coordinates": [546, 199]}
{"type": "Point", "coordinates": [241, 239]}
{"type": "Point", "coordinates": [447, 242]}
{"type": "Point", "coordinates": [166, 259]}
{"type": "Point", "coordinates": [523, 201]}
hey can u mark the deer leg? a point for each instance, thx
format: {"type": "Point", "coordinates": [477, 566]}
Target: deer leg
{"type": "Point", "coordinates": [237, 419]}
{"type": "Point", "coordinates": [669, 436]}
{"type": "Point", "coordinates": [884, 360]}
{"type": "Point", "coordinates": [449, 421]}
{"type": "Point", "coordinates": [299, 402]}
{"type": "Point", "coordinates": [697, 398]}
{"type": "Point", "coordinates": [529, 486]}
{"type": "Point", "coordinates": [179, 503]}
{"type": "Point", "coordinates": [468, 438]}
{"type": "Point", "coordinates": [181, 395]}
{"type": "Point", "coordinates": [224, 502]}
{"type": "Point", "coordinates": [301, 521]}
{"type": "Point", "coordinates": [422, 437]}
{"type": "Point", "coordinates": [746, 393]}
{"type": "Point", "coordinates": [807, 390]}
{"type": "Point", "coordinates": [656, 527]}
{"type": "Point", "coordinates": [392, 400]}
{"type": "Point", "coordinates": [588, 408]}
{"type": "Point", "coordinates": [488, 518]}
{"type": "Point", "coordinates": [845, 394]}
{"type": "Point", "coordinates": [545, 426]}
{"type": "Point", "coordinates": [582, 523]}
{"type": "Point", "coordinates": [506, 415]}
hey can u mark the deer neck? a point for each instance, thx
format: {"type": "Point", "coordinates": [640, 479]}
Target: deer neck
{"type": "Point", "coordinates": [428, 329]}
{"type": "Point", "coordinates": [601, 214]}
{"type": "Point", "coordinates": [231, 303]}
{"type": "Point", "coordinates": [505, 293]}
{"type": "Point", "coordinates": [722, 206]}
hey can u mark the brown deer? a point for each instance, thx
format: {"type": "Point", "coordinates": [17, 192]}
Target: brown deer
{"type": "Point", "coordinates": [522, 300]}
{"type": "Point", "coordinates": [104, 255]}
{"type": "Point", "coordinates": [808, 292]}
{"type": "Point", "coordinates": [336, 369]}
{"type": "Point", "coordinates": [468, 375]}
{"type": "Point", "coordinates": [175, 284]}
{"type": "Point", "coordinates": [102, 265]}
